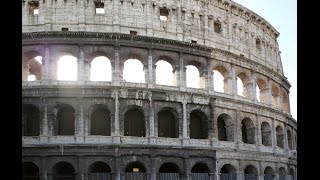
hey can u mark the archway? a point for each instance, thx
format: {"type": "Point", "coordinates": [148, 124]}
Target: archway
{"type": "Point", "coordinates": [134, 123]}
{"type": "Point", "coordinates": [63, 171]}
{"type": "Point", "coordinates": [135, 170]}
{"type": "Point", "coordinates": [99, 170]}
{"type": "Point", "coordinates": [228, 172]}
{"type": "Point", "coordinates": [169, 171]}
{"type": "Point", "coordinates": [200, 171]}
{"type": "Point", "coordinates": [30, 120]}
{"type": "Point", "coordinates": [30, 171]}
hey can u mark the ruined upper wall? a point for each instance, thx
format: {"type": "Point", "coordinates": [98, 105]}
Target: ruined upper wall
{"type": "Point", "coordinates": [242, 31]}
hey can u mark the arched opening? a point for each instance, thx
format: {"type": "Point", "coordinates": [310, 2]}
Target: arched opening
{"type": "Point", "coordinates": [221, 79]}
{"type": "Point", "coordinates": [198, 125]}
{"type": "Point", "coordinates": [243, 86]}
{"type": "Point", "coordinates": [200, 171]}
{"type": "Point", "coordinates": [275, 95]}
{"type": "Point", "coordinates": [291, 174]}
{"type": "Point", "coordinates": [169, 171]}
{"type": "Point", "coordinates": [99, 170]}
{"type": "Point", "coordinates": [168, 124]}
{"type": "Point", "coordinates": [250, 173]}
{"type": "Point", "coordinates": [63, 171]}
{"type": "Point", "coordinates": [289, 139]}
{"type": "Point", "coordinates": [282, 174]}
{"type": "Point", "coordinates": [135, 170]}
{"type": "Point", "coordinates": [34, 68]}
{"type": "Point", "coordinates": [280, 135]}
{"type": "Point", "coordinates": [133, 71]}
{"type": "Point", "coordinates": [228, 172]}
{"type": "Point", "coordinates": [248, 131]}
{"type": "Point", "coordinates": [65, 120]}
{"type": "Point", "coordinates": [225, 128]}
{"type": "Point", "coordinates": [134, 123]}
{"type": "Point", "coordinates": [266, 134]}
{"type": "Point", "coordinates": [164, 73]}
{"type": "Point", "coordinates": [285, 103]}
{"type": "Point", "coordinates": [100, 122]}
{"type": "Point", "coordinates": [268, 173]}
{"type": "Point", "coordinates": [192, 76]}
{"type": "Point", "coordinates": [100, 69]}
{"type": "Point", "coordinates": [30, 171]}
{"type": "Point", "coordinates": [30, 120]}
{"type": "Point", "coordinates": [67, 68]}
{"type": "Point", "coordinates": [261, 91]}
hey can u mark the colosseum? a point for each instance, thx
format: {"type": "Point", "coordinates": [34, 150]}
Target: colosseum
{"type": "Point", "coordinates": [153, 90]}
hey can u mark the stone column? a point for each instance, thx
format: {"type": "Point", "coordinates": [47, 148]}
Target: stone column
{"type": "Point", "coordinates": [151, 71]}
{"type": "Point", "coordinates": [44, 128]}
{"type": "Point", "coordinates": [186, 168]}
{"type": "Point", "coordinates": [152, 139]}
{"type": "Point", "coordinates": [117, 73]}
{"type": "Point", "coordinates": [79, 124]}
{"type": "Point", "coordinates": [238, 133]}
{"type": "Point", "coordinates": [209, 83]}
{"type": "Point", "coordinates": [46, 64]}
{"type": "Point", "coordinates": [233, 80]}
{"type": "Point", "coordinates": [43, 169]}
{"type": "Point", "coordinates": [116, 131]}
{"type": "Point", "coordinates": [80, 65]}
{"type": "Point", "coordinates": [258, 134]}
{"type": "Point", "coordinates": [211, 120]}
{"type": "Point", "coordinates": [184, 124]}
{"type": "Point", "coordinates": [253, 87]}
{"type": "Point", "coordinates": [153, 168]}
{"type": "Point", "coordinates": [269, 102]}
{"type": "Point", "coordinates": [82, 170]}
{"type": "Point", "coordinates": [116, 18]}
{"type": "Point", "coordinates": [273, 135]}
{"type": "Point", "coordinates": [81, 16]}
{"type": "Point", "coordinates": [117, 168]}
{"type": "Point", "coordinates": [182, 80]}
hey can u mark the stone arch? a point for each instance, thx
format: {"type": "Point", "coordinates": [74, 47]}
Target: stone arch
{"type": "Point", "coordinates": [32, 65]}
{"type": "Point", "coordinates": [285, 102]}
{"type": "Point", "coordinates": [100, 68]}
{"type": "Point", "coordinates": [134, 122]}
{"type": "Point", "coordinates": [263, 91]}
{"type": "Point", "coordinates": [266, 134]}
{"type": "Point", "coordinates": [244, 78]}
{"type": "Point", "coordinates": [250, 173]}
{"type": "Point", "coordinates": [198, 124]}
{"type": "Point", "coordinates": [275, 93]}
{"type": "Point", "coordinates": [200, 167]}
{"type": "Point", "coordinates": [292, 173]}
{"type": "Point", "coordinates": [282, 173]}
{"type": "Point", "coordinates": [289, 136]}
{"type": "Point", "coordinates": [130, 167]}
{"type": "Point", "coordinates": [226, 83]}
{"type": "Point", "coordinates": [225, 127]}
{"type": "Point", "coordinates": [191, 80]}
{"type": "Point", "coordinates": [268, 173]}
{"type": "Point", "coordinates": [168, 122]}
{"type": "Point", "coordinates": [248, 131]}
{"type": "Point", "coordinates": [169, 167]}
{"type": "Point", "coordinates": [227, 171]}
{"type": "Point", "coordinates": [65, 120]}
{"type": "Point", "coordinates": [99, 167]}
{"type": "Point", "coordinates": [280, 137]}
{"type": "Point", "coordinates": [63, 170]}
{"type": "Point", "coordinates": [136, 76]}
{"type": "Point", "coordinates": [30, 171]}
{"type": "Point", "coordinates": [165, 73]}
{"type": "Point", "coordinates": [31, 118]}
{"type": "Point", "coordinates": [100, 120]}
{"type": "Point", "coordinates": [67, 68]}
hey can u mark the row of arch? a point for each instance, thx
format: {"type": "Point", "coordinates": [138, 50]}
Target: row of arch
{"type": "Point", "coordinates": [166, 72]}
{"type": "Point", "coordinates": [167, 122]}
{"type": "Point", "coordinates": [67, 171]}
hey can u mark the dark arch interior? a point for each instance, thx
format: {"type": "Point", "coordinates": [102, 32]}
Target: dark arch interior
{"type": "Point", "coordinates": [282, 171]}
{"type": "Point", "coordinates": [247, 130]}
{"type": "Point", "coordinates": [167, 124]}
{"type": "Point", "coordinates": [227, 168]}
{"type": "Point", "coordinates": [30, 171]}
{"type": "Point", "coordinates": [198, 125]}
{"type": "Point", "coordinates": [63, 171]}
{"type": "Point", "coordinates": [134, 124]}
{"type": "Point", "coordinates": [222, 132]}
{"type": "Point", "coordinates": [200, 168]}
{"type": "Point", "coordinates": [100, 167]}
{"type": "Point", "coordinates": [268, 170]}
{"type": "Point", "coordinates": [289, 139]}
{"type": "Point", "coordinates": [279, 132]}
{"type": "Point", "coordinates": [266, 134]}
{"type": "Point", "coordinates": [250, 170]}
{"type": "Point", "coordinates": [100, 122]}
{"type": "Point", "coordinates": [169, 168]}
{"type": "Point", "coordinates": [66, 120]}
{"type": "Point", "coordinates": [131, 167]}
{"type": "Point", "coordinates": [30, 120]}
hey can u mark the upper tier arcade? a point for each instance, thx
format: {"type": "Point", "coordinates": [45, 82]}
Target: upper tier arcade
{"type": "Point", "coordinates": [220, 24]}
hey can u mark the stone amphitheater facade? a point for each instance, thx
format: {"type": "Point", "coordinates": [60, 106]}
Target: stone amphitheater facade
{"type": "Point", "coordinates": [114, 129]}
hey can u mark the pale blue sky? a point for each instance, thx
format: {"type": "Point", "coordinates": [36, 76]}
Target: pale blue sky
{"type": "Point", "coordinates": [282, 15]}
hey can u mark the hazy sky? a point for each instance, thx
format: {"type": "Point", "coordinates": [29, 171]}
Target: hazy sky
{"type": "Point", "coordinates": [282, 15]}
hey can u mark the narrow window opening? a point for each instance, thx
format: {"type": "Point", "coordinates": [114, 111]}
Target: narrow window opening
{"type": "Point", "coordinates": [99, 7]}
{"type": "Point", "coordinates": [34, 7]}
{"type": "Point", "coordinates": [193, 42]}
{"type": "Point", "coordinates": [64, 29]}
{"type": "Point", "coordinates": [164, 13]}
{"type": "Point", "coordinates": [133, 33]}
{"type": "Point", "coordinates": [217, 27]}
